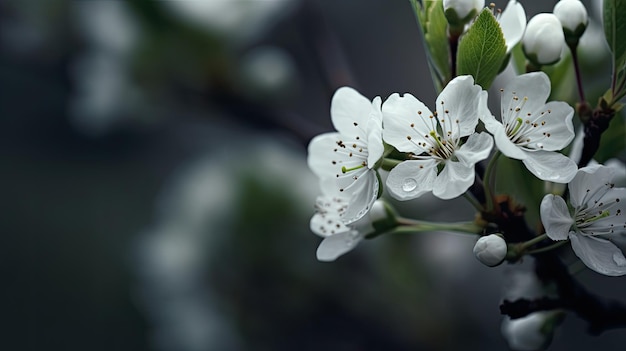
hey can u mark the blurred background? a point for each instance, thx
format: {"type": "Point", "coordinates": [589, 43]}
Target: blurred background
{"type": "Point", "coordinates": [156, 196]}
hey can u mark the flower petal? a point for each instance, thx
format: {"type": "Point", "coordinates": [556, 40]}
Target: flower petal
{"type": "Point", "coordinates": [321, 156]}
{"type": "Point", "coordinates": [403, 117]}
{"type": "Point", "coordinates": [411, 179]}
{"type": "Point", "coordinates": [528, 92]}
{"type": "Point", "coordinates": [375, 144]}
{"type": "Point", "coordinates": [553, 129]}
{"type": "Point", "coordinates": [336, 245]}
{"type": "Point", "coordinates": [598, 254]}
{"type": "Point", "coordinates": [589, 180]}
{"type": "Point", "coordinates": [513, 23]}
{"type": "Point", "coordinates": [555, 217]}
{"type": "Point", "coordinates": [363, 192]}
{"type": "Point", "coordinates": [476, 148]}
{"type": "Point", "coordinates": [350, 112]}
{"type": "Point", "coordinates": [551, 166]}
{"type": "Point", "coordinates": [453, 181]}
{"type": "Point", "coordinates": [459, 102]}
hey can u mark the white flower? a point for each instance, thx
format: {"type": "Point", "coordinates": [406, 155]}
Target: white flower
{"type": "Point", "coordinates": [543, 40]}
{"type": "Point", "coordinates": [459, 12]}
{"type": "Point", "coordinates": [349, 155]}
{"type": "Point", "coordinates": [340, 238]}
{"type": "Point", "coordinates": [598, 216]}
{"type": "Point", "coordinates": [573, 16]}
{"type": "Point", "coordinates": [531, 130]}
{"type": "Point", "coordinates": [527, 333]}
{"type": "Point", "coordinates": [440, 162]}
{"type": "Point", "coordinates": [513, 23]}
{"type": "Point", "coordinates": [490, 250]}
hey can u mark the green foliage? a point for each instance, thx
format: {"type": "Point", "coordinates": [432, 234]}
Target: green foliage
{"type": "Point", "coordinates": [434, 28]}
{"type": "Point", "coordinates": [614, 13]}
{"type": "Point", "coordinates": [482, 50]}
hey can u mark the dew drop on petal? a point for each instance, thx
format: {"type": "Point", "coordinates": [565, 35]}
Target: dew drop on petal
{"type": "Point", "coordinates": [619, 260]}
{"type": "Point", "coordinates": [409, 184]}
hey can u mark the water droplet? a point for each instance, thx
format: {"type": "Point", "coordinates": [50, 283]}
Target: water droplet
{"type": "Point", "coordinates": [409, 184]}
{"type": "Point", "coordinates": [619, 260]}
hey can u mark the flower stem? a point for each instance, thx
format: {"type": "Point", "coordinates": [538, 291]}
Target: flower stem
{"type": "Point", "coordinates": [412, 226]}
{"type": "Point", "coordinates": [489, 180]}
{"type": "Point", "coordinates": [547, 248]}
{"type": "Point", "coordinates": [579, 83]}
{"type": "Point", "coordinates": [472, 200]}
{"type": "Point", "coordinates": [525, 245]}
{"type": "Point", "coordinates": [389, 163]}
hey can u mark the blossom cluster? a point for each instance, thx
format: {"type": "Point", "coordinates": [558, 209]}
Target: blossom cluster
{"type": "Point", "coordinates": [439, 150]}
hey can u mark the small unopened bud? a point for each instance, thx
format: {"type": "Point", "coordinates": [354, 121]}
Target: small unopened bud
{"type": "Point", "coordinates": [573, 17]}
{"type": "Point", "coordinates": [490, 250]}
{"type": "Point", "coordinates": [543, 39]}
{"type": "Point", "coordinates": [460, 12]}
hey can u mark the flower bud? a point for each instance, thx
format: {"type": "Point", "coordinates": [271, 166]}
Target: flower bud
{"type": "Point", "coordinates": [460, 12]}
{"type": "Point", "coordinates": [573, 17]}
{"type": "Point", "coordinates": [490, 250]}
{"type": "Point", "coordinates": [543, 39]}
{"type": "Point", "coordinates": [533, 332]}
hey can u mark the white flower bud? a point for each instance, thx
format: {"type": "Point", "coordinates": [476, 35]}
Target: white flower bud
{"type": "Point", "coordinates": [543, 39]}
{"type": "Point", "coordinates": [460, 12]}
{"type": "Point", "coordinates": [490, 250]}
{"type": "Point", "coordinates": [573, 17]}
{"type": "Point", "coordinates": [529, 333]}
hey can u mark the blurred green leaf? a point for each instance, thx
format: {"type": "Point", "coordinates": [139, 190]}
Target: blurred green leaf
{"type": "Point", "coordinates": [436, 38]}
{"type": "Point", "coordinates": [482, 50]}
{"type": "Point", "coordinates": [614, 12]}
{"type": "Point", "coordinates": [434, 28]}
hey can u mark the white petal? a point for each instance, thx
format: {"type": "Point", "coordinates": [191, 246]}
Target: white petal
{"type": "Point", "coordinates": [475, 149]}
{"type": "Point", "coordinates": [321, 156]}
{"type": "Point", "coordinates": [460, 98]}
{"type": "Point", "coordinates": [555, 217]}
{"type": "Point", "coordinates": [453, 181]}
{"type": "Point", "coordinates": [348, 107]}
{"type": "Point", "coordinates": [375, 144]}
{"type": "Point", "coordinates": [589, 180]}
{"type": "Point", "coordinates": [411, 179]}
{"type": "Point", "coordinates": [554, 129]}
{"type": "Point", "coordinates": [598, 254]}
{"type": "Point", "coordinates": [504, 144]}
{"type": "Point", "coordinates": [513, 23]}
{"type": "Point", "coordinates": [363, 193]}
{"type": "Point", "coordinates": [401, 118]}
{"type": "Point", "coordinates": [327, 224]}
{"type": "Point", "coordinates": [336, 245]}
{"type": "Point", "coordinates": [535, 87]}
{"type": "Point", "coordinates": [550, 166]}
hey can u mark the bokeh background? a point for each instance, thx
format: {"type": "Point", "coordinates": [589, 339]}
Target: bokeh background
{"type": "Point", "coordinates": [155, 193]}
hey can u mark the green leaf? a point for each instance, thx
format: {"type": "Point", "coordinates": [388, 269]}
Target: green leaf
{"type": "Point", "coordinates": [434, 28]}
{"type": "Point", "coordinates": [614, 13]}
{"type": "Point", "coordinates": [482, 50]}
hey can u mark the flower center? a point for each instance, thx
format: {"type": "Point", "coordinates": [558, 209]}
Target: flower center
{"type": "Point", "coordinates": [525, 130]}
{"type": "Point", "coordinates": [596, 216]}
